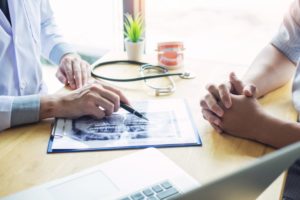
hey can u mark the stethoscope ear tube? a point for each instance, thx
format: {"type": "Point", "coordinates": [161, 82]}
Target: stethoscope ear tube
{"type": "Point", "coordinates": [143, 66]}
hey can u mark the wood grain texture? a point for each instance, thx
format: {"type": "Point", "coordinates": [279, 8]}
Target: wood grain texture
{"type": "Point", "coordinates": [24, 162]}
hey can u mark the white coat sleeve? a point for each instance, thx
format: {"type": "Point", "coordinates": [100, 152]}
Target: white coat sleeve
{"type": "Point", "coordinates": [18, 110]}
{"type": "Point", "coordinates": [5, 111]}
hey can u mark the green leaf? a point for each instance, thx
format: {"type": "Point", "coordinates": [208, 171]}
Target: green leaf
{"type": "Point", "coordinates": [133, 27]}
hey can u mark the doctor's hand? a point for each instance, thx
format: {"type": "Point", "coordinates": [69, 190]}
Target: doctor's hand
{"type": "Point", "coordinates": [73, 71]}
{"type": "Point", "coordinates": [92, 99]}
{"type": "Point", "coordinates": [210, 103]}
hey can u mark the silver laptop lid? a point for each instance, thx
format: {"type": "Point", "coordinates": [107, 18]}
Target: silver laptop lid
{"type": "Point", "coordinates": [250, 181]}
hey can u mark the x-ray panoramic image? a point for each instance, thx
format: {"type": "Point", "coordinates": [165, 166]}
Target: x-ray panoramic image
{"type": "Point", "coordinates": [126, 126]}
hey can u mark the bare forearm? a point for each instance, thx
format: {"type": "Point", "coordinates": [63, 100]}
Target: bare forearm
{"type": "Point", "coordinates": [279, 133]}
{"type": "Point", "coordinates": [270, 69]}
{"type": "Point", "coordinates": [48, 106]}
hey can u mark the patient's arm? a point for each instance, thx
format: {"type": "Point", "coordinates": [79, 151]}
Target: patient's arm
{"type": "Point", "coordinates": [270, 69]}
{"type": "Point", "coordinates": [247, 119]}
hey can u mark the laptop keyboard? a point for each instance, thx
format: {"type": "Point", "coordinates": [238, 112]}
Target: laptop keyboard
{"type": "Point", "coordinates": [164, 190]}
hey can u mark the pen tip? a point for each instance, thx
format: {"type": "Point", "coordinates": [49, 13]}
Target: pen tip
{"type": "Point", "coordinates": [145, 118]}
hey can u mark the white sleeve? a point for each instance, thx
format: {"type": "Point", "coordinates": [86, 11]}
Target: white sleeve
{"type": "Point", "coordinates": [287, 40]}
{"type": "Point", "coordinates": [5, 111]}
{"type": "Point", "coordinates": [18, 110]}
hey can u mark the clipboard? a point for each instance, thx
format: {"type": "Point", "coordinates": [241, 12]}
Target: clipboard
{"type": "Point", "coordinates": [170, 125]}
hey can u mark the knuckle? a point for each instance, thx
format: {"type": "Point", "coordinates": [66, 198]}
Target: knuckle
{"type": "Point", "coordinates": [211, 87]}
{"type": "Point", "coordinates": [110, 109]}
{"type": "Point", "coordinates": [210, 118]}
{"type": "Point", "coordinates": [88, 109]}
{"type": "Point", "coordinates": [67, 60]}
{"type": "Point", "coordinates": [76, 69]}
{"type": "Point", "coordinates": [116, 99]}
{"type": "Point", "coordinates": [117, 91]}
{"type": "Point", "coordinates": [90, 98]}
{"type": "Point", "coordinates": [215, 107]}
{"type": "Point", "coordinates": [210, 100]}
{"type": "Point", "coordinates": [207, 97]}
{"type": "Point", "coordinates": [239, 82]}
{"type": "Point", "coordinates": [88, 87]}
{"type": "Point", "coordinates": [224, 97]}
{"type": "Point", "coordinates": [222, 86]}
{"type": "Point", "coordinates": [95, 87]}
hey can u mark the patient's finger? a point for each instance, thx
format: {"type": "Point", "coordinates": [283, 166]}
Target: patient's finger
{"type": "Point", "coordinates": [213, 89]}
{"type": "Point", "coordinates": [203, 104]}
{"type": "Point", "coordinates": [218, 129]}
{"type": "Point", "coordinates": [213, 105]}
{"type": "Point", "coordinates": [224, 94]}
{"type": "Point", "coordinates": [249, 90]}
{"type": "Point", "coordinates": [237, 84]}
{"type": "Point", "coordinates": [211, 117]}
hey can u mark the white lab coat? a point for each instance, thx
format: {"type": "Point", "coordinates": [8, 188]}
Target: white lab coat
{"type": "Point", "coordinates": [32, 33]}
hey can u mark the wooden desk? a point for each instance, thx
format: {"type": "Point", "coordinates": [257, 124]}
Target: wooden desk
{"type": "Point", "coordinates": [24, 162]}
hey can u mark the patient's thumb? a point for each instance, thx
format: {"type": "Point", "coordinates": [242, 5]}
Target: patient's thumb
{"type": "Point", "coordinates": [236, 83]}
{"type": "Point", "coordinates": [250, 90]}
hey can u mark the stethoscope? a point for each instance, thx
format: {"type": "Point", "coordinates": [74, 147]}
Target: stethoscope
{"type": "Point", "coordinates": [144, 66]}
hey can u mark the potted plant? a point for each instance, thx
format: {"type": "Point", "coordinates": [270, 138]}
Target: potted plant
{"type": "Point", "coordinates": [133, 31]}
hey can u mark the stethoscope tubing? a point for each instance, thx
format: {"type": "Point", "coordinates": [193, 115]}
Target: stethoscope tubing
{"type": "Point", "coordinates": [95, 75]}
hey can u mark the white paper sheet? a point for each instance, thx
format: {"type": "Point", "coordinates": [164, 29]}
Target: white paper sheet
{"type": "Point", "coordinates": [170, 124]}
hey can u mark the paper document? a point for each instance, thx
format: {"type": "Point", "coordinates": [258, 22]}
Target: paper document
{"type": "Point", "coordinates": [170, 124]}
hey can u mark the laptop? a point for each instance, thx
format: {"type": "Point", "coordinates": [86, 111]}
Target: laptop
{"type": "Point", "coordinates": [148, 174]}
{"type": "Point", "coordinates": [250, 181]}
{"type": "Point", "coordinates": [117, 179]}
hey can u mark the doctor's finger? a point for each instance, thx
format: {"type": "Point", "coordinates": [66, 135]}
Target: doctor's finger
{"type": "Point", "coordinates": [61, 76]}
{"type": "Point", "coordinates": [67, 66]}
{"type": "Point", "coordinates": [77, 72]}
{"type": "Point", "coordinates": [213, 104]}
{"type": "Point", "coordinates": [110, 96]}
{"type": "Point", "coordinates": [119, 93]}
{"type": "Point", "coordinates": [96, 112]}
{"type": "Point", "coordinates": [100, 101]}
{"type": "Point", "coordinates": [85, 72]}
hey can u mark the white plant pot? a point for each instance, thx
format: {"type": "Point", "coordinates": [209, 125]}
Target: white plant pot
{"type": "Point", "coordinates": [135, 50]}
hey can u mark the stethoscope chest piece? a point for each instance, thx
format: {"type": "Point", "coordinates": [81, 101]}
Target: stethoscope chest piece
{"type": "Point", "coordinates": [187, 75]}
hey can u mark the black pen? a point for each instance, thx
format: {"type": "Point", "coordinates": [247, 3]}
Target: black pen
{"type": "Point", "coordinates": [131, 110]}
